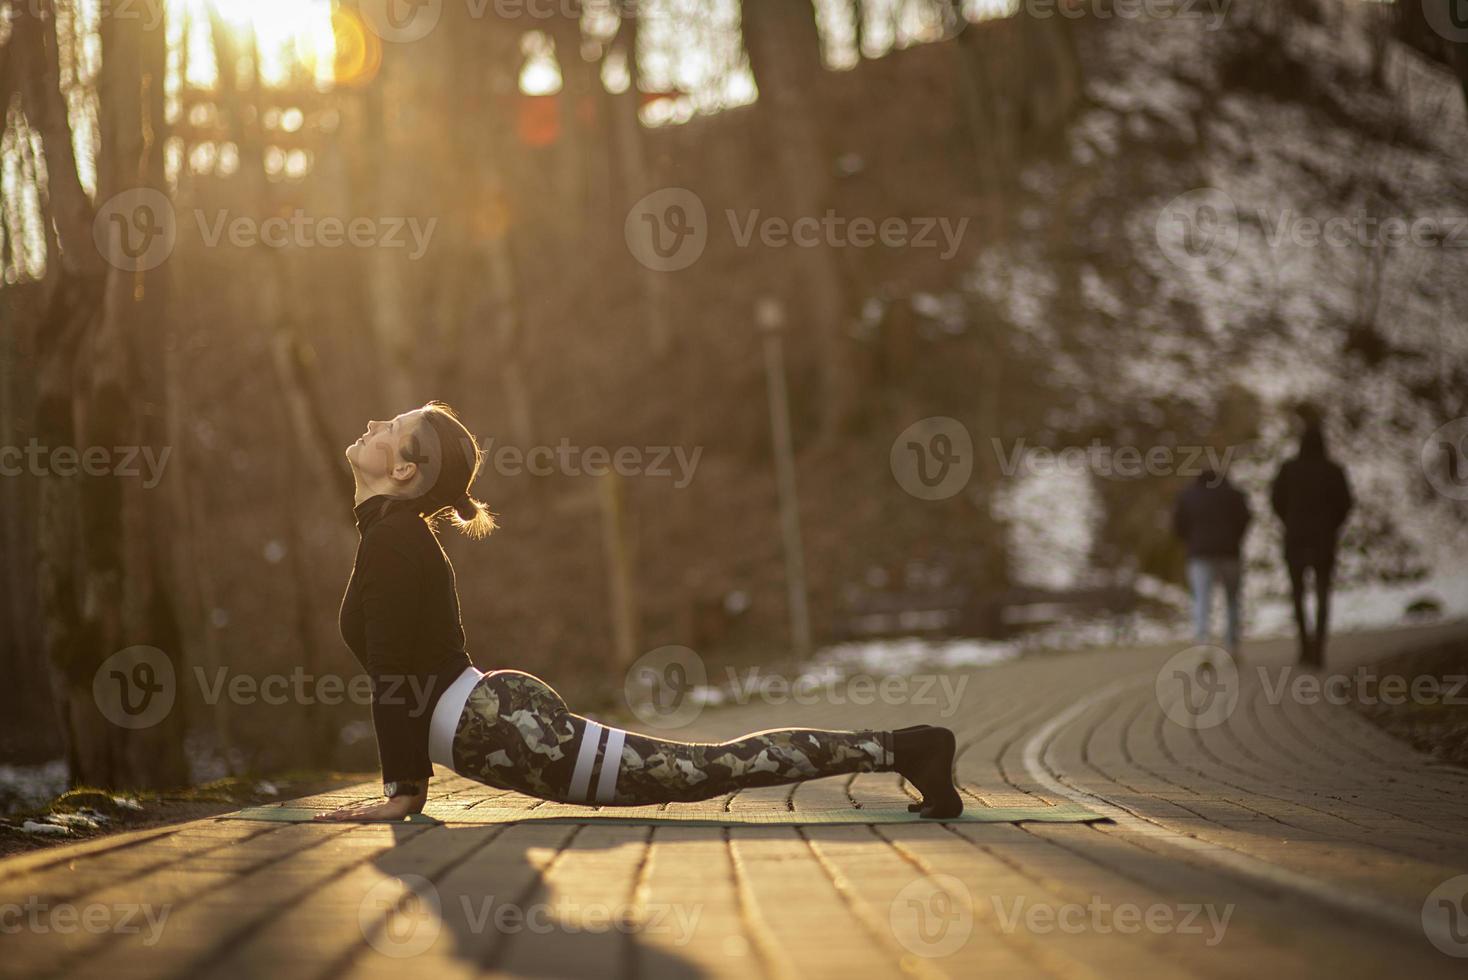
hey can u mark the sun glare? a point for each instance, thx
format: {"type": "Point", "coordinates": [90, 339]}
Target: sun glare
{"type": "Point", "coordinates": [292, 37]}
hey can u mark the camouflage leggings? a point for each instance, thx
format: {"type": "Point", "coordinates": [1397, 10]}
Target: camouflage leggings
{"type": "Point", "coordinates": [516, 733]}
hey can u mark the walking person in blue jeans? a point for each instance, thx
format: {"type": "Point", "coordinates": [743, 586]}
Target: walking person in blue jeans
{"type": "Point", "coordinates": [1211, 517]}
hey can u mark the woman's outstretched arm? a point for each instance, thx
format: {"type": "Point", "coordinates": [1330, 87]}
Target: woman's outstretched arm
{"type": "Point", "coordinates": [391, 607]}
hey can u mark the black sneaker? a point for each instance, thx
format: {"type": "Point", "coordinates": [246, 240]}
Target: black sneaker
{"type": "Point", "coordinates": [923, 755]}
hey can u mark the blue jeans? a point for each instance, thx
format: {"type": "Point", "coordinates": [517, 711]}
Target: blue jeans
{"type": "Point", "coordinates": [1203, 575]}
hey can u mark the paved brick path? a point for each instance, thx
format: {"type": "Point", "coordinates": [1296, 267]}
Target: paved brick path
{"type": "Point", "coordinates": [1289, 839]}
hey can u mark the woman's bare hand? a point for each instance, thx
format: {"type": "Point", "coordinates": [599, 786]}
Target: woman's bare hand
{"type": "Point", "coordinates": [396, 808]}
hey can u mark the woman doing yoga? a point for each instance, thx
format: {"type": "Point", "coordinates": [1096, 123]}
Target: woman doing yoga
{"type": "Point", "coordinates": [507, 728]}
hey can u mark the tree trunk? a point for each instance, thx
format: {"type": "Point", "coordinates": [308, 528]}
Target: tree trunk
{"type": "Point", "coordinates": [785, 54]}
{"type": "Point", "coordinates": [104, 570]}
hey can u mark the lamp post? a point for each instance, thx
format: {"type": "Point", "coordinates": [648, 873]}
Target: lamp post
{"type": "Point", "coordinates": [769, 314]}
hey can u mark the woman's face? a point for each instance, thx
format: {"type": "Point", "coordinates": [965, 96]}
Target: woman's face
{"type": "Point", "coordinates": [377, 457]}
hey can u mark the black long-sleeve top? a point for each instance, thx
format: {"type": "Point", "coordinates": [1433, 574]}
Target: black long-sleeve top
{"type": "Point", "coordinates": [1312, 496]}
{"type": "Point", "coordinates": [400, 617]}
{"type": "Point", "coordinates": [1211, 517]}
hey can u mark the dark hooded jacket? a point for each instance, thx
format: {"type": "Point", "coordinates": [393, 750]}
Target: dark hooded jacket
{"type": "Point", "coordinates": [1312, 496]}
{"type": "Point", "coordinates": [1211, 517]}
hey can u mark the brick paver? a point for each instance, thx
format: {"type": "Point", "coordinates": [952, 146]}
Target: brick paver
{"type": "Point", "coordinates": [1290, 839]}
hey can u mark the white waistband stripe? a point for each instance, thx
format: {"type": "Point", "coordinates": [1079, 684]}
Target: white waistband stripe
{"type": "Point", "coordinates": [446, 714]}
{"type": "Point", "coordinates": [611, 762]}
{"type": "Point", "coordinates": [585, 756]}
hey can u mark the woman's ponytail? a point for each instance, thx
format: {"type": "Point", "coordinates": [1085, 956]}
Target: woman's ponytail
{"type": "Point", "coordinates": [459, 461]}
{"type": "Point", "coordinates": [473, 517]}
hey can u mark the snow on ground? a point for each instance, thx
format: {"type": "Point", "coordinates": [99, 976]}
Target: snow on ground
{"type": "Point", "coordinates": [1051, 517]}
{"type": "Point", "coordinates": [31, 787]}
{"type": "Point", "coordinates": [1271, 300]}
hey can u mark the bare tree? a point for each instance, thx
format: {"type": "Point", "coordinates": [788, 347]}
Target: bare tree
{"type": "Point", "coordinates": [104, 567]}
{"type": "Point", "coordinates": [785, 54]}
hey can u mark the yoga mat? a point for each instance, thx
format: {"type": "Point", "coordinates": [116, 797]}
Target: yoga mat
{"type": "Point", "coordinates": [1063, 813]}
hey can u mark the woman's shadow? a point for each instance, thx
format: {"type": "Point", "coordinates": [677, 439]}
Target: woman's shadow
{"type": "Point", "coordinates": [528, 899]}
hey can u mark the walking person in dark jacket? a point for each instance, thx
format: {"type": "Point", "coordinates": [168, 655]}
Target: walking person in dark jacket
{"type": "Point", "coordinates": [1211, 517]}
{"type": "Point", "coordinates": [1312, 497]}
